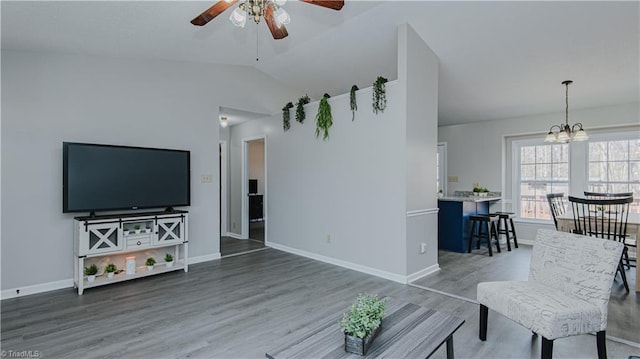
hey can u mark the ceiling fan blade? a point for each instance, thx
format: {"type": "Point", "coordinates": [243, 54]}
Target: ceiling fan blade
{"type": "Point", "coordinates": [331, 4]}
{"type": "Point", "coordinates": [217, 9]}
{"type": "Point", "coordinates": [277, 32]}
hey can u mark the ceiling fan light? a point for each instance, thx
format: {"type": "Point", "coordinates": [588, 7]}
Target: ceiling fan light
{"type": "Point", "coordinates": [280, 2]}
{"type": "Point", "coordinates": [282, 17]}
{"type": "Point", "coordinates": [238, 17]}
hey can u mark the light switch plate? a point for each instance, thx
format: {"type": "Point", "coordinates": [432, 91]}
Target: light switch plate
{"type": "Point", "coordinates": [206, 178]}
{"type": "Point", "coordinates": [452, 178]}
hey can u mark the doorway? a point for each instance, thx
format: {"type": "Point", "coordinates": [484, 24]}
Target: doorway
{"type": "Point", "coordinates": [254, 177]}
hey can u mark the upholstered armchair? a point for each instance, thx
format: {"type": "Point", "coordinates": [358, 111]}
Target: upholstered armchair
{"type": "Point", "coordinates": [567, 293]}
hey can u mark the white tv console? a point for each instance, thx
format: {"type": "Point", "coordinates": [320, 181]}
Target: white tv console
{"type": "Point", "coordinates": [102, 240]}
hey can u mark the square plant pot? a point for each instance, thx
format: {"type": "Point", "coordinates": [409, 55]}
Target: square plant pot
{"type": "Point", "coordinates": [360, 345]}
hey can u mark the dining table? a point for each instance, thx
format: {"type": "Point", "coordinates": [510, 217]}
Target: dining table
{"type": "Point", "coordinates": [566, 224]}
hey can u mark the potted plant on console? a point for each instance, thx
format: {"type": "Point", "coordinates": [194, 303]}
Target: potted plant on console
{"type": "Point", "coordinates": [150, 263]}
{"type": "Point", "coordinates": [91, 272]}
{"type": "Point", "coordinates": [361, 324]}
{"type": "Point", "coordinates": [110, 269]}
{"type": "Point", "coordinates": [137, 228]}
{"type": "Point", "coordinates": [147, 229]}
{"type": "Point", "coordinates": [168, 259]}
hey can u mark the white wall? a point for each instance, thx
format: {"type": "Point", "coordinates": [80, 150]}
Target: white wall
{"type": "Point", "coordinates": [350, 187]}
{"type": "Point", "coordinates": [355, 187]}
{"type": "Point", "coordinates": [418, 71]}
{"type": "Point", "coordinates": [49, 98]}
{"type": "Point", "coordinates": [476, 152]}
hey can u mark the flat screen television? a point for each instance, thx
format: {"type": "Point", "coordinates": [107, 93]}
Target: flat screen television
{"type": "Point", "coordinates": [105, 177]}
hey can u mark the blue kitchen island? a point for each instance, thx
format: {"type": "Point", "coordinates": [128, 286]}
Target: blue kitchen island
{"type": "Point", "coordinates": [454, 226]}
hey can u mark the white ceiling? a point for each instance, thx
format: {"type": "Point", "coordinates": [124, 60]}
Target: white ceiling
{"type": "Point", "coordinates": [497, 59]}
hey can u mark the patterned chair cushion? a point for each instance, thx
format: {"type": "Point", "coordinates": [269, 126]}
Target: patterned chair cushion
{"type": "Point", "coordinates": [568, 289]}
{"type": "Point", "coordinates": [544, 310]}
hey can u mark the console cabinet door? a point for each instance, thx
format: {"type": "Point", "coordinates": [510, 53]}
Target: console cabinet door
{"type": "Point", "coordinates": [100, 238]}
{"type": "Point", "coordinates": [170, 230]}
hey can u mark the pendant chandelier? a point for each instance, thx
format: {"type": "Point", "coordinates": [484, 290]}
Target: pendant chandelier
{"type": "Point", "coordinates": [256, 10]}
{"type": "Point", "coordinates": [566, 133]}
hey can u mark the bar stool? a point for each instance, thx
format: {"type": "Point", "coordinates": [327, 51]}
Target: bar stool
{"type": "Point", "coordinates": [509, 229]}
{"type": "Point", "coordinates": [480, 222]}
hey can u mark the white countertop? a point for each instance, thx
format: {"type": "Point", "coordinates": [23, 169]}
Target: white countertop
{"type": "Point", "coordinates": [469, 199]}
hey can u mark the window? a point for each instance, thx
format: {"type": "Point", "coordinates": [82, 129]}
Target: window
{"type": "Point", "coordinates": [614, 166]}
{"type": "Point", "coordinates": [608, 162]}
{"type": "Point", "coordinates": [543, 169]}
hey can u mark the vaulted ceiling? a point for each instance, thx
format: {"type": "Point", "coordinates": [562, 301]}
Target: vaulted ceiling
{"type": "Point", "coordinates": [497, 59]}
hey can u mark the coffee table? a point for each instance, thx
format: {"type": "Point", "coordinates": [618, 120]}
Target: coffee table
{"type": "Point", "coordinates": [408, 331]}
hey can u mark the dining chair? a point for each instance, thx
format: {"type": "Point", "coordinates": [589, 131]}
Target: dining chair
{"type": "Point", "coordinates": [557, 205]}
{"type": "Point", "coordinates": [567, 292]}
{"type": "Point", "coordinates": [603, 218]}
{"type": "Point", "coordinates": [607, 195]}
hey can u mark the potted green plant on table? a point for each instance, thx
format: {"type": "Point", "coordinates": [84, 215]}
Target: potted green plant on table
{"type": "Point", "coordinates": [147, 229]}
{"type": "Point", "coordinates": [480, 191]}
{"type": "Point", "coordinates": [91, 272]}
{"type": "Point", "coordinates": [137, 228]}
{"type": "Point", "coordinates": [126, 231]}
{"type": "Point", "coordinates": [110, 269]}
{"type": "Point", "coordinates": [361, 324]}
{"type": "Point", "coordinates": [150, 263]}
{"type": "Point", "coordinates": [168, 259]}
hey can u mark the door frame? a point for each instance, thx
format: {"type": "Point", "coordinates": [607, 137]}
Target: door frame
{"type": "Point", "coordinates": [224, 188]}
{"type": "Point", "coordinates": [443, 181]}
{"type": "Point", "coordinates": [245, 187]}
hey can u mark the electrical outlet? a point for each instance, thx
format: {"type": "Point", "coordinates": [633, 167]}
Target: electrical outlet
{"type": "Point", "coordinates": [206, 178]}
{"type": "Point", "coordinates": [423, 247]}
{"type": "Point", "coordinates": [453, 179]}
{"type": "Point", "coordinates": [328, 238]}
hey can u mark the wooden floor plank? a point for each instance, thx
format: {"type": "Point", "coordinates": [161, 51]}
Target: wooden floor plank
{"type": "Point", "coordinates": [239, 307]}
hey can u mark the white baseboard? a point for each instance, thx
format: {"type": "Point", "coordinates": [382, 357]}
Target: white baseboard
{"type": "Point", "coordinates": [526, 241]}
{"type": "Point", "coordinates": [208, 257]}
{"type": "Point", "coordinates": [423, 273]}
{"type": "Point", "coordinates": [340, 263]}
{"type": "Point", "coordinates": [36, 288]}
{"type": "Point", "coordinates": [233, 235]}
{"type": "Point", "coordinates": [68, 283]}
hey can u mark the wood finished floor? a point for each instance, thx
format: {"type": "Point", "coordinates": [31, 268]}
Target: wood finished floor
{"type": "Point", "coordinates": [239, 307]}
{"type": "Point", "coordinates": [230, 246]}
{"type": "Point", "coordinates": [461, 272]}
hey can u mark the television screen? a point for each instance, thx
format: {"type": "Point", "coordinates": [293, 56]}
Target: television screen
{"type": "Point", "coordinates": [105, 177]}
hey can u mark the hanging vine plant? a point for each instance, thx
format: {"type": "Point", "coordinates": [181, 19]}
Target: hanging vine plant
{"type": "Point", "coordinates": [286, 116]}
{"type": "Point", "coordinates": [300, 115]}
{"type": "Point", "coordinates": [353, 103]}
{"type": "Point", "coordinates": [324, 119]}
{"type": "Point", "coordinates": [379, 95]}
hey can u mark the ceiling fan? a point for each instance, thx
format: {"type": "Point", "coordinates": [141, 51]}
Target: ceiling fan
{"type": "Point", "coordinates": [272, 11]}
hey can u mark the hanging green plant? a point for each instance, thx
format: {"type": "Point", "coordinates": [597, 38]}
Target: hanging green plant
{"type": "Point", "coordinates": [354, 104]}
{"type": "Point", "coordinates": [379, 95]}
{"type": "Point", "coordinates": [323, 118]}
{"type": "Point", "coordinates": [300, 115]}
{"type": "Point", "coordinates": [286, 116]}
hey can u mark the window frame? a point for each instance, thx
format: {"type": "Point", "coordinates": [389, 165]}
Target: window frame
{"type": "Point", "coordinates": [578, 163]}
{"type": "Point", "coordinates": [516, 146]}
